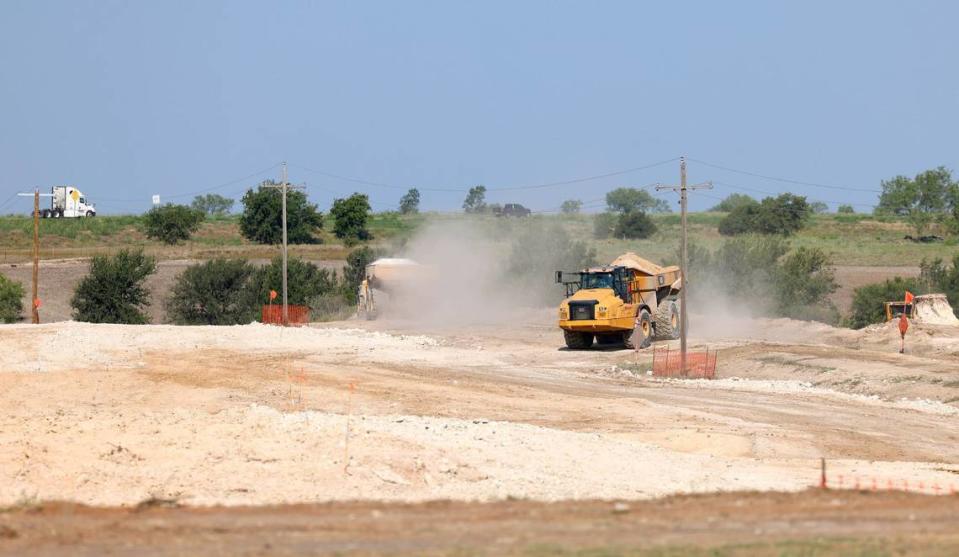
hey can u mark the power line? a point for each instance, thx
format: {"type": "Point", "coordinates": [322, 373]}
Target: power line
{"type": "Point", "coordinates": [784, 180]}
{"type": "Point", "coordinates": [587, 178]}
{"type": "Point", "coordinates": [754, 190]}
{"type": "Point", "coordinates": [509, 188]}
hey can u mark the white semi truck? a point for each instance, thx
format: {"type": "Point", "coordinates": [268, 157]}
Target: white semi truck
{"type": "Point", "coordinates": [68, 201]}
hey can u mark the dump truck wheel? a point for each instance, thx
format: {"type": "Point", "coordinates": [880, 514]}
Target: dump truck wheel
{"type": "Point", "coordinates": [642, 335]}
{"type": "Point", "coordinates": [667, 320]}
{"type": "Point", "coordinates": [577, 340]}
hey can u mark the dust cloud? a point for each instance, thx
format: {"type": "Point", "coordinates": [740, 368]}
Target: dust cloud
{"type": "Point", "coordinates": [476, 272]}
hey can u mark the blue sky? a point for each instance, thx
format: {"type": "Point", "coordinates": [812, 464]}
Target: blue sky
{"type": "Point", "coordinates": [128, 99]}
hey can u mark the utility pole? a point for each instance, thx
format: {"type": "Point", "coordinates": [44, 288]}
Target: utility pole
{"type": "Point", "coordinates": [36, 256]}
{"type": "Point", "coordinates": [284, 186]}
{"type": "Point", "coordinates": [36, 252]}
{"type": "Point", "coordinates": [684, 257]}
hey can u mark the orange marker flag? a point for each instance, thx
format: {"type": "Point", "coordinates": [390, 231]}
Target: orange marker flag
{"type": "Point", "coordinates": [37, 303]}
{"type": "Point", "coordinates": [909, 297]}
{"type": "Point", "coordinates": [272, 295]}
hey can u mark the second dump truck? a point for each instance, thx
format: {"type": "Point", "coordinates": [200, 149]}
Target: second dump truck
{"type": "Point", "coordinates": [630, 301]}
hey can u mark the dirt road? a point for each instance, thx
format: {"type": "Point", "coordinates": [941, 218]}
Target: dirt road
{"type": "Point", "coordinates": [113, 415]}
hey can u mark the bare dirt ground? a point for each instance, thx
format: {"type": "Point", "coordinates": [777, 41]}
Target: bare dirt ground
{"type": "Point", "coordinates": [397, 413]}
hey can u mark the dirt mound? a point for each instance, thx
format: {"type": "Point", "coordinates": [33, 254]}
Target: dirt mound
{"type": "Point", "coordinates": [934, 309]}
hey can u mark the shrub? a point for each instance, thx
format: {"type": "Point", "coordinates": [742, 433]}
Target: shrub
{"type": "Point", "coordinates": [603, 225]}
{"type": "Point", "coordinates": [11, 300]}
{"type": "Point", "coordinates": [262, 221]}
{"type": "Point", "coordinates": [762, 273]}
{"type": "Point", "coordinates": [818, 208]}
{"type": "Point", "coordinates": [351, 215]}
{"type": "Point", "coordinates": [410, 202]}
{"type": "Point", "coordinates": [172, 223]}
{"type": "Point", "coordinates": [804, 281]}
{"type": "Point", "coordinates": [212, 204]}
{"type": "Point", "coordinates": [114, 291]}
{"type": "Point", "coordinates": [571, 207]}
{"type": "Point", "coordinates": [634, 224]}
{"type": "Point", "coordinates": [868, 302]}
{"type": "Point", "coordinates": [305, 282]}
{"type": "Point", "coordinates": [213, 293]}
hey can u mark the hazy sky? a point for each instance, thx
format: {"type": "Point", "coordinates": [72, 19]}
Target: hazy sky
{"type": "Point", "coordinates": [128, 99]}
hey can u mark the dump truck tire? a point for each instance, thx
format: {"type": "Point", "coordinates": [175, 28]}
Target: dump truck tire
{"type": "Point", "coordinates": [576, 340]}
{"type": "Point", "coordinates": [641, 335]}
{"type": "Point", "coordinates": [667, 320]}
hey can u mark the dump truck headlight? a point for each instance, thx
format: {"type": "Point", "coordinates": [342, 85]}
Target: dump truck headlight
{"type": "Point", "coordinates": [601, 311]}
{"type": "Point", "coordinates": [564, 313]}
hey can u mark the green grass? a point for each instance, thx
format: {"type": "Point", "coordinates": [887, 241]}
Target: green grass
{"type": "Point", "coordinates": [849, 239]}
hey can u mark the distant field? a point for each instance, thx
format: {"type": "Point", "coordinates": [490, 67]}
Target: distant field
{"type": "Point", "coordinates": [850, 239]}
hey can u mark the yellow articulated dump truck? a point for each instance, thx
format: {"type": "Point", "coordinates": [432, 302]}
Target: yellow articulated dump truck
{"type": "Point", "coordinates": [630, 301]}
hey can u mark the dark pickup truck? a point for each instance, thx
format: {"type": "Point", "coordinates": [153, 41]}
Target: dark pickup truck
{"type": "Point", "coordinates": [513, 210]}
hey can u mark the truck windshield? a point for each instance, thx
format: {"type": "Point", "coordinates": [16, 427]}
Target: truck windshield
{"type": "Point", "coordinates": [597, 280]}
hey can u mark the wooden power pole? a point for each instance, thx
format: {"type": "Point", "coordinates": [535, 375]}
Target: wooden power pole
{"type": "Point", "coordinates": [284, 186]}
{"type": "Point", "coordinates": [682, 188]}
{"type": "Point", "coordinates": [36, 257]}
{"type": "Point", "coordinates": [34, 300]}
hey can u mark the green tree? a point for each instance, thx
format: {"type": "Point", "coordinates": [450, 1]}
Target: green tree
{"type": "Point", "coordinates": [475, 201]}
{"type": "Point", "coordinates": [305, 281]}
{"type": "Point", "coordinates": [732, 201]}
{"type": "Point", "coordinates": [784, 214]}
{"type": "Point", "coordinates": [818, 208]}
{"type": "Point", "coordinates": [741, 218]}
{"type": "Point", "coordinates": [114, 290]}
{"type": "Point", "coordinates": [262, 221]}
{"type": "Point", "coordinates": [11, 300]}
{"type": "Point", "coordinates": [626, 200]}
{"type": "Point", "coordinates": [868, 302]}
{"type": "Point", "coordinates": [410, 202]}
{"type": "Point", "coordinates": [212, 204]}
{"type": "Point", "coordinates": [930, 196]}
{"type": "Point", "coordinates": [634, 225]}
{"type": "Point", "coordinates": [350, 216]}
{"type": "Point", "coordinates": [213, 293]}
{"type": "Point", "coordinates": [172, 224]}
{"type": "Point", "coordinates": [845, 209]}
{"type": "Point", "coordinates": [571, 207]}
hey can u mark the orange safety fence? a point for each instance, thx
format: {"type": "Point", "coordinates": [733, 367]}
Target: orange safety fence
{"type": "Point", "coordinates": [273, 314]}
{"type": "Point", "coordinates": [699, 365]}
{"type": "Point", "coordinates": [866, 482]}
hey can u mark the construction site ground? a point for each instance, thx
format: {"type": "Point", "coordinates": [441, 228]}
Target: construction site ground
{"type": "Point", "coordinates": [501, 420]}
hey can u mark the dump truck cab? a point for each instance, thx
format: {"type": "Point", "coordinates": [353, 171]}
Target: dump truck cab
{"type": "Point", "coordinates": [630, 301]}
